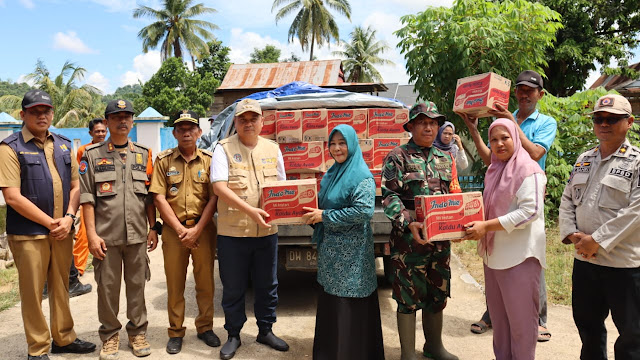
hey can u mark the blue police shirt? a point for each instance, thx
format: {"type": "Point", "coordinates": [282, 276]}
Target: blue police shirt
{"type": "Point", "coordinates": [539, 129]}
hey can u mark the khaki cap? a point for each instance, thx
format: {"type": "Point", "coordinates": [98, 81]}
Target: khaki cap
{"type": "Point", "coordinates": [613, 103]}
{"type": "Point", "coordinates": [187, 116]}
{"type": "Point", "coordinates": [248, 105]}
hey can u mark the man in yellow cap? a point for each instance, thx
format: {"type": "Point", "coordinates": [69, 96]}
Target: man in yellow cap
{"type": "Point", "coordinates": [183, 195]}
{"type": "Point", "coordinates": [247, 245]}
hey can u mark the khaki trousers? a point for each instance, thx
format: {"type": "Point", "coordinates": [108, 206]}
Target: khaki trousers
{"type": "Point", "coordinates": [108, 274]}
{"type": "Point", "coordinates": [176, 261]}
{"type": "Point", "coordinates": [38, 261]}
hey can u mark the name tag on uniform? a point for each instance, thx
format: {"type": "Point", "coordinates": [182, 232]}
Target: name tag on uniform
{"type": "Point", "coordinates": [138, 167]}
{"type": "Point", "coordinates": [621, 173]}
{"type": "Point", "coordinates": [174, 172]}
{"type": "Point", "coordinates": [413, 167]}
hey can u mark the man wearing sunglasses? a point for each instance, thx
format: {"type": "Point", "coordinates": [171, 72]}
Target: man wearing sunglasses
{"type": "Point", "coordinates": [599, 216]}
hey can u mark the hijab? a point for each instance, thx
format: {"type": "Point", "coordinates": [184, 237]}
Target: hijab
{"type": "Point", "coordinates": [341, 179]}
{"type": "Point", "coordinates": [451, 146]}
{"type": "Point", "coordinates": [503, 179]}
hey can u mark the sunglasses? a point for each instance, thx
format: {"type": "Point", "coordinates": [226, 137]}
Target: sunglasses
{"type": "Point", "coordinates": [599, 120]}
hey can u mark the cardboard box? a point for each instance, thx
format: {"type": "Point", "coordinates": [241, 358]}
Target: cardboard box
{"type": "Point", "coordinates": [304, 176]}
{"type": "Point", "coordinates": [269, 126]}
{"type": "Point", "coordinates": [289, 126]}
{"type": "Point", "coordinates": [381, 147]}
{"type": "Point", "coordinates": [303, 157]}
{"type": "Point", "coordinates": [328, 159]}
{"type": "Point", "coordinates": [284, 200]}
{"type": "Point", "coordinates": [444, 216]}
{"type": "Point", "coordinates": [387, 123]}
{"type": "Point", "coordinates": [314, 125]}
{"type": "Point", "coordinates": [377, 177]}
{"type": "Point", "coordinates": [476, 95]}
{"type": "Point", "coordinates": [366, 145]}
{"type": "Point", "coordinates": [357, 118]}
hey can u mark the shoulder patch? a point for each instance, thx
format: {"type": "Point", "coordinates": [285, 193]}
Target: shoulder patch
{"type": "Point", "coordinates": [140, 146]}
{"type": "Point", "coordinates": [207, 152]}
{"type": "Point", "coordinates": [165, 153]}
{"type": "Point", "coordinates": [93, 146]}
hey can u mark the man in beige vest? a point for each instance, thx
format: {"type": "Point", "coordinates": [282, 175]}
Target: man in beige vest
{"type": "Point", "coordinates": [247, 245]}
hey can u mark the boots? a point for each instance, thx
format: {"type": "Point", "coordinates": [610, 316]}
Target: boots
{"type": "Point", "coordinates": [407, 332]}
{"type": "Point", "coordinates": [432, 327]}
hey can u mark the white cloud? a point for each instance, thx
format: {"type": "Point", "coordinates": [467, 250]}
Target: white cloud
{"type": "Point", "coordinates": [2, 4]}
{"type": "Point", "coordinates": [71, 42]}
{"type": "Point", "coordinates": [144, 66]}
{"type": "Point", "coordinates": [98, 80]}
{"type": "Point", "coordinates": [22, 79]}
{"type": "Point", "coordinates": [27, 3]}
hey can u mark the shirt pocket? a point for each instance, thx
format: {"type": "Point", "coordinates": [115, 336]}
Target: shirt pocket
{"type": "Point", "coordinates": [34, 167]}
{"type": "Point", "coordinates": [578, 186]}
{"type": "Point", "coordinates": [105, 183]}
{"type": "Point", "coordinates": [139, 182]}
{"type": "Point", "coordinates": [174, 182]}
{"type": "Point", "coordinates": [238, 179]}
{"type": "Point", "coordinates": [615, 192]}
{"type": "Point", "coordinates": [270, 174]}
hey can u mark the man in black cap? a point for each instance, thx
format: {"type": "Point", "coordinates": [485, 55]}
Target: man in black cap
{"type": "Point", "coordinates": [183, 194]}
{"type": "Point", "coordinates": [116, 209]}
{"type": "Point", "coordinates": [39, 181]}
{"type": "Point", "coordinates": [537, 132]}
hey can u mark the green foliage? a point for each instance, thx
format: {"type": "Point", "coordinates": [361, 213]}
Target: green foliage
{"type": "Point", "coordinates": [128, 92]}
{"type": "Point", "coordinates": [575, 135]}
{"type": "Point", "coordinates": [313, 24]}
{"type": "Point", "coordinates": [594, 31]}
{"type": "Point", "coordinates": [7, 87]}
{"type": "Point", "coordinates": [293, 58]}
{"type": "Point", "coordinates": [270, 54]}
{"type": "Point", "coordinates": [177, 29]}
{"type": "Point", "coordinates": [174, 88]}
{"type": "Point", "coordinates": [362, 53]}
{"type": "Point", "coordinates": [472, 37]}
{"type": "Point", "coordinates": [217, 62]}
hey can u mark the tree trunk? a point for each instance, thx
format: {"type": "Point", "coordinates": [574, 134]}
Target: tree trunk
{"type": "Point", "coordinates": [193, 62]}
{"type": "Point", "coordinates": [177, 51]}
{"type": "Point", "coordinates": [313, 38]}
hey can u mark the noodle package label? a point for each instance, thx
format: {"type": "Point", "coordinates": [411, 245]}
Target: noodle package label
{"type": "Point", "coordinates": [284, 200]}
{"type": "Point", "coordinates": [357, 118]}
{"type": "Point", "coordinates": [381, 147]}
{"type": "Point", "coordinates": [269, 126]}
{"type": "Point", "coordinates": [476, 95]}
{"type": "Point", "coordinates": [387, 123]}
{"type": "Point", "coordinates": [444, 216]}
{"type": "Point", "coordinates": [314, 125]}
{"type": "Point", "coordinates": [303, 157]}
{"type": "Point", "coordinates": [289, 126]}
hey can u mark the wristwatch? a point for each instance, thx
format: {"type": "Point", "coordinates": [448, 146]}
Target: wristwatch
{"type": "Point", "coordinates": [71, 216]}
{"type": "Point", "coordinates": [157, 227]}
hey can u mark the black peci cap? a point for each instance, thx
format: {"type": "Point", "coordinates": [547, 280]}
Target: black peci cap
{"type": "Point", "coordinates": [116, 106]}
{"type": "Point", "coordinates": [530, 78]}
{"type": "Point", "coordinates": [36, 97]}
{"type": "Point", "coordinates": [187, 116]}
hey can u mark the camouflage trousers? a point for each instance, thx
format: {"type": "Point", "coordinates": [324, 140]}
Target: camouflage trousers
{"type": "Point", "coordinates": [421, 281]}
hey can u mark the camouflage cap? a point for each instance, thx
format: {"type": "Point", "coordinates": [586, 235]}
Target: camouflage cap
{"type": "Point", "coordinates": [429, 109]}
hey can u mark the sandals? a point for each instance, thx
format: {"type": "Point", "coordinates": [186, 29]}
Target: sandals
{"type": "Point", "coordinates": [480, 328]}
{"type": "Point", "coordinates": [543, 335]}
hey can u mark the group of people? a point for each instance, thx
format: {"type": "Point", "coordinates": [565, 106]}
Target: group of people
{"type": "Point", "coordinates": [120, 188]}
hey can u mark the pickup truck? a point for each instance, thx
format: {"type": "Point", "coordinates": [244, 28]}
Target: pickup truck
{"type": "Point", "coordinates": [296, 252]}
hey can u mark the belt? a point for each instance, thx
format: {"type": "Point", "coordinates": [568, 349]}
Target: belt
{"type": "Point", "coordinates": [190, 222]}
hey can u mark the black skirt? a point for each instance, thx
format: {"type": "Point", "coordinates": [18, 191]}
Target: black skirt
{"type": "Point", "coordinates": [348, 328]}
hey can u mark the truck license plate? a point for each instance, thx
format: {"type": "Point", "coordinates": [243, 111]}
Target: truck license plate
{"type": "Point", "coordinates": [301, 259]}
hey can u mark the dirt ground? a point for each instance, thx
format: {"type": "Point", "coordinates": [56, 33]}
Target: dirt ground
{"type": "Point", "coordinates": [296, 321]}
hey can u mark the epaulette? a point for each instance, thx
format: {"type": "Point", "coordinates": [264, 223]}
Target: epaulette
{"type": "Point", "coordinates": [93, 146]}
{"type": "Point", "coordinates": [207, 152]}
{"type": "Point", "coordinates": [140, 145]}
{"type": "Point", "coordinates": [62, 136]}
{"type": "Point", "coordinates": [163, 154]}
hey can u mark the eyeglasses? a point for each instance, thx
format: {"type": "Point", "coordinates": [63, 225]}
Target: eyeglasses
{"type": "Point", "coordinates": [598, 120]}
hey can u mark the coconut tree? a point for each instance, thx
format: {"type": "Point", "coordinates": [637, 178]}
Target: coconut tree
{"type": "Point", "coordinates": [313, 23]}
{"type": "Point", "coordinates": [176, 27]}
{"type": "Point", "coordinates": [362, 53]}
{"type": "Point", "coordinates": [74, 105]}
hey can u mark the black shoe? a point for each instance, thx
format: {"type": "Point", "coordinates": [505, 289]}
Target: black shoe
{"type": "Point", "coordinates": [76, 347]}
{"type": "Point", "coordinates": [210, 338]}
{"type": "Point", "coordinates": [77, 289]}
{"type": "Point", "coordinates": [229, 348]}
{"type": "Point", "coordinates": [38, 357]}
{"type": "Point", "coordinates": [273, 341]}
{"type": "Point", "coordinates": [174, 345]}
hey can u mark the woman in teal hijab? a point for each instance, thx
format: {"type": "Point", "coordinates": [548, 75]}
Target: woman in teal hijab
{"type": "Point", "coordinates": [348, 315]}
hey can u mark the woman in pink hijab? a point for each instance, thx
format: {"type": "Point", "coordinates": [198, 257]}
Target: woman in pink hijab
{"type": "Point", "coordinates": [512, 242]}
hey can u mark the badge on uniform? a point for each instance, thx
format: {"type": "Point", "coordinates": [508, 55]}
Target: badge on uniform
{"type": "Point", "coordinates": [106, 187]}
{"type": "Point", "coordinates": [237, 157]}
{"type": "Point", "coordinates": [173, 190]}
{"type": "Point", "coordinates": [138, 158]}
{"type": "Point", "coordinates": [82, 169]}
{"type": "Point", "coordinates": [172, 171]}
{"type": "Point", "coordinates": [64, 147]}
{"type": "Point", "coordinates": [104, 161]}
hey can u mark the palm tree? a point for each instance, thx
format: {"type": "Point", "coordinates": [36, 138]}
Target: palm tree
{"type": "Point", "coordinates": [362, 53]}
{"type": "Point", "coordinates": [177, 29]}
{"type": "Point", "coordinates": [313, 23]}
{"type": "Point", "coordinates": [73, 105]}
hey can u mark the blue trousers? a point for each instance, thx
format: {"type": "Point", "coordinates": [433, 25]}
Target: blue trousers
{"type": "Point", "coordinates": [598, 290]}
{"type": "Point", "coordinates": [239, 258]}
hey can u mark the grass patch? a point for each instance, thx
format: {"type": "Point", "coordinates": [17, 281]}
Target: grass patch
{"type": "Point", "coordinates": [3, 219]}
{"type": "Point", "coordinates": [559, 265]}
{"type": "Point", "coordinates": [9, 294]}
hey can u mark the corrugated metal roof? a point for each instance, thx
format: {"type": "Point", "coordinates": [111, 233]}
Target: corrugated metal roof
{"type": "Point", "coordinates": [271, 76]}
{"type": "Point", "coordinates": [617, 82]}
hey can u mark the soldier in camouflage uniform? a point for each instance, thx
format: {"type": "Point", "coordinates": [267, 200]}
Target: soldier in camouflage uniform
{"type": "Point", "coordinates": [421, 273]}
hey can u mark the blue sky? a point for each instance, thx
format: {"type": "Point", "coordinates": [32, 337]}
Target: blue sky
{"type": "Point", "coordinates": [101, 35]}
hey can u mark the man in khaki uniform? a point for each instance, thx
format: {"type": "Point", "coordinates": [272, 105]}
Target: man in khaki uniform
{"type": "Point", "coordinates": [39, 181]}
{"type": "Point", "coordinates": [183, 195]}
{"type": "Point", "coordinates": [599, 216]}
{"type": "Point", "coordinates": [114, 176]}
{"type": "Point", "coordinates": [247, 245]}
